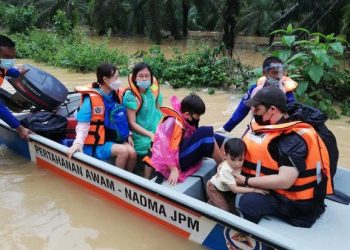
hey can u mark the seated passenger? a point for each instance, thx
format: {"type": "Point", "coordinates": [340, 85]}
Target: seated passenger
{"type": "Point", "coordinates": [142, 100]}
{"type": "Point", "coordinates": [102, 130]}
{"type": "Point", "coordinates": [273, 75]}
{"type": "Point", "coordinates": [179, 144]}
{"type": "Point", "coordinates": [220, 187]}
{"type": "Point", "coordinates": [289, 158]}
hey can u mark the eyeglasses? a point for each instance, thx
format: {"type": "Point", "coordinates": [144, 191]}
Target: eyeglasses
{"type": "Point", "coordinates": [143, 76]}
{"type": "Point", "coordinates": [274, 66]}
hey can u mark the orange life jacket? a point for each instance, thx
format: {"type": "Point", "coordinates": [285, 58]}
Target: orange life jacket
{"type": "Point", "coordinates": [259, 162]}
{"type": "Point", "coordinates": [179, 127]}
{"type": "Point", "coordinates": [96, 134]}
{"type": "Point", "coordinates": [134, 89]}
{"type": "Point", "coordinates": [2, 75]}
{"type": "Point", "coordinates": [288, 83]}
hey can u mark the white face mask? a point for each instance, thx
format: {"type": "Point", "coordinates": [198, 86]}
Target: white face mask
{"type": "Point", "coordinates": [7, 63]}
{"type": "Point", "coordinates": [116, 84]}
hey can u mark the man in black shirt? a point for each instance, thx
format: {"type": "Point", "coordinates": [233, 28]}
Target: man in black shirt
{"type": "Point", "coordinates": [283, 156]}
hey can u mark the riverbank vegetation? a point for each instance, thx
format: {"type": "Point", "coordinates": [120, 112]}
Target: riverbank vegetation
{"type": "Point", "coordinates": [163, 19]}
{"type": "Point", "coordinates": [48, 31]}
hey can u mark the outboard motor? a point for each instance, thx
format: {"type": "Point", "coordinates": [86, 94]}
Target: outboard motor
{"type": "Point", "coordinates": [37, 88]}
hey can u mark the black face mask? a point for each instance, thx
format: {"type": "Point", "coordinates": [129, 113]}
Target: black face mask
{"type": "Point", "coordinates": [259, 120]}
{"type": "Point", "coordinates": [194, 122]}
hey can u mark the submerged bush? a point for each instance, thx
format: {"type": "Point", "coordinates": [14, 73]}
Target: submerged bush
{"type": "Point", "coordinates": [197, 68]}
{"type": "Point", "coordinates": [68, 52]}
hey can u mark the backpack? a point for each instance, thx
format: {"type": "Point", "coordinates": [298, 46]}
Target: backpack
{"type": "Point", "coordinates": [317, 119]}
{"type": "Point", "coordinates": [47, 124]}
{"type": "Point", "coordinates": [118, 126]}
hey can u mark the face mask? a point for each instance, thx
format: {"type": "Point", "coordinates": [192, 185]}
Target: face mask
{"type": "Point", "coordinates": [7, 63]}
{"type": "Point", "coordinates": [143, 84]}
{"type": "Point", "coordinates": [259, 120]}
{"type": "Point", "coordinates": [270, 81]}
{"type": "Point", "coordinates": [115, 84]}
{"type": "Point", "coordinates": [194, 122]}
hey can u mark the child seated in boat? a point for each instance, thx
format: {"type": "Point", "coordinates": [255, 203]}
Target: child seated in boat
{"type": "Point", "coordinates": [179, 144]}
{"type": "Point", "coordinates": [102, 130]}
{"type": "Point", "coordinates": [221, 186]}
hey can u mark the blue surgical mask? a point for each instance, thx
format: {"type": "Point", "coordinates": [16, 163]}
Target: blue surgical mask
{"type": "Point", "coordinates": [143, 84]}
{"type": "Point", "coordinates": [7, 63]}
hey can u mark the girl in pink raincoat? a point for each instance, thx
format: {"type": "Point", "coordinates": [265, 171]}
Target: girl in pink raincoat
{"type": "Point", "coordinates": [179, 144]}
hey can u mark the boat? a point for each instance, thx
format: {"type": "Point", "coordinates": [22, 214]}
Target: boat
{"type": "Point", "coordinates": [182, 209]}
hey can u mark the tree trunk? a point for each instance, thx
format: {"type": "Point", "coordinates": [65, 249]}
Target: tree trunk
{"type": "Point", "coordinates": [171, 19]}
{"type": "Point", "coordinates": [185, 10]}
{"type": "Point", "coordinates": [230, 12]}
{"type": "Point", "coordinates": [155, 28]}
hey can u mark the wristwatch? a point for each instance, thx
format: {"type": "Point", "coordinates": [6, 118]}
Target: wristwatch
{"type": "Point", "coordinates": [246, 181]}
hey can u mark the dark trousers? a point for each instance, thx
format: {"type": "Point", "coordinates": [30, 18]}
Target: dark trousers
{"type": "Point", "coordinates": [254, 206]}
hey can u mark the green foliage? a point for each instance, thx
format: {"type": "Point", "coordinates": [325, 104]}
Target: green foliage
{"type": "Point", "coordinates": [62, 26]}
{"type": "Point", "coordinates": [345, 107]}
{"type": "Point", "coordinates": [315, 64]}
{"type": "Point", "coordinates": [20, 19]}
{"type": "Point", "coordinates": [198, 68]}
{"type": "Point", "coordinates": [2, 12]}
{"type": "Point", "coordinates": [85, 57]}
{"type": "Point", "coordinates": [74, 53]}
{"type": "Point", "coordinates": [38, 45]}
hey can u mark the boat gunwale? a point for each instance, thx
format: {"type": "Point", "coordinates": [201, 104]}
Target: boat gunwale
{"type": "Point", "coordinates": [220, 216]}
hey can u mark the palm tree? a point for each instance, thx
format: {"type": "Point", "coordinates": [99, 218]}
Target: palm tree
{"type": "Point", "coordinates": [75, 10]}
{"type": "Point", "coordinates": [185, 10]}
{"type": "Point", "coordinates": [230, 13]}
{"type": "Point", "coordinates": [256, 16]}
{"type": "Point", "coordinates": [154, 32]}
{"type": "Point", "coordinates": [110, 15]}
{"type": "Point", "coordinates": [346, 21]}
{"type": "Point", "coordinates": [323, 15]}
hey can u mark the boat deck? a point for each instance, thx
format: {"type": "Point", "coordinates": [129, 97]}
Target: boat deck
{"type": "Point", "coordinates": [331, 230]}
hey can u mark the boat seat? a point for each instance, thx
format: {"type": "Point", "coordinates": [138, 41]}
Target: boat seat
{"type": "Point", "coordinates": [331, 229]}
{"type": "Point", "coordinates": [195, 185]}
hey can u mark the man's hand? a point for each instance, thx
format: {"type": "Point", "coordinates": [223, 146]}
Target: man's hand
{"type": "Point", "coordinates": [22, 70]}
{"type": "Point", "coordinates": [239, 179]}
{"type": "Point", "coordinates": [221, 130]}
{"type": "Point", "coordinates": [261, 191]}
{"type": "Point", "coordinates": [23, 132]}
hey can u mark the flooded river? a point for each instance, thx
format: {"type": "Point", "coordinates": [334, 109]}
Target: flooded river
{"type": "Point", "coordinates": [41, 210]}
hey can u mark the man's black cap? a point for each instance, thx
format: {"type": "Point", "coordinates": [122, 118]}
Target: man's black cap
{"type": "Point", "coordinates": [271, 95]}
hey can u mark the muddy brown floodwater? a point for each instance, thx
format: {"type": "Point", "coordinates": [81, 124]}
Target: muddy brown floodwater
{"type": "Point", "coordinates": [41, 210]}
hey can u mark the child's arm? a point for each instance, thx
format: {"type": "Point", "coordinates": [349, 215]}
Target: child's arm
{"type": "Point", "coordinates": [241, 190]}
{"type": "Point", "coordinates": [174, 175]}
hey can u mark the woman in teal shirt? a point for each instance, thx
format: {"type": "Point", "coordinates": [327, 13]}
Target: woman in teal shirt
{"type": "Point", "coordinates": [142, 102]}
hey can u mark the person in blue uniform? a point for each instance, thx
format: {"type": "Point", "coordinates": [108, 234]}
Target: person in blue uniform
{"type": "Point", "coordinates": [7, 61]}
{"type": "Point", "coordinates": [273, 75]}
